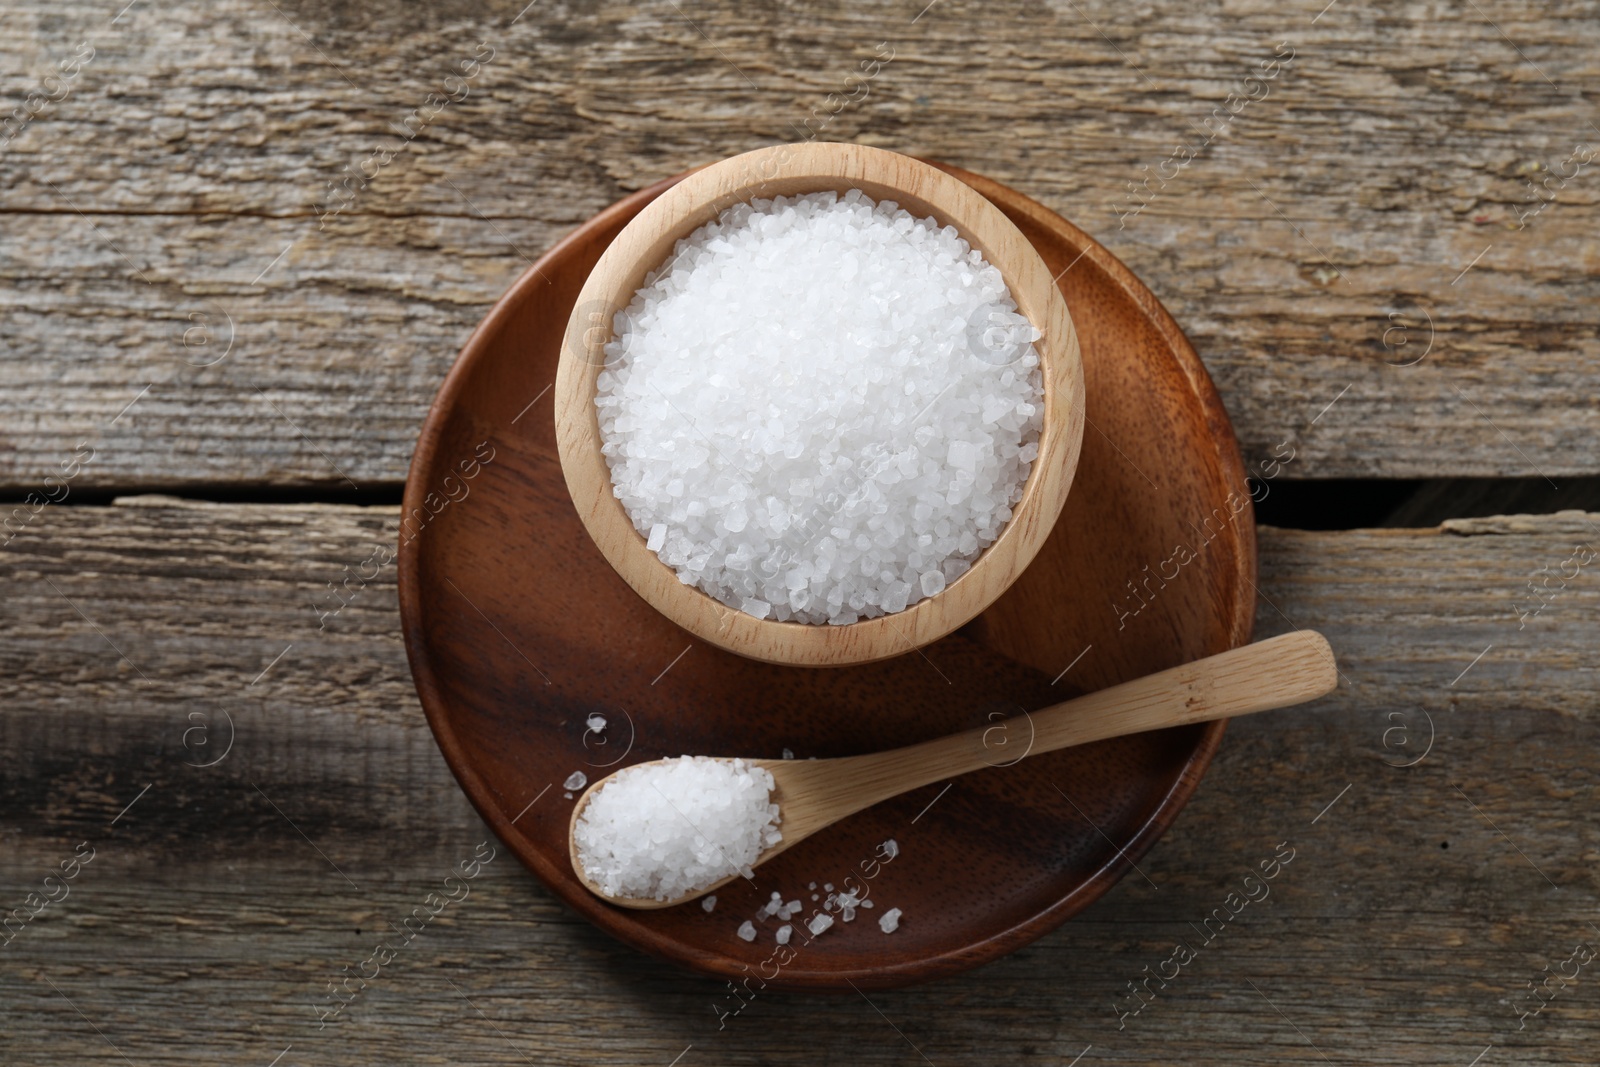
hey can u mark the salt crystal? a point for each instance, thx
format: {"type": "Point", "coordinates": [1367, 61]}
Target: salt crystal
{"type": "Point", "coordinates": [788, 753]}
{"type": "Point", "coordinates": [576, 780]}
{"type": "Point", "coordinates": [748, 930]}
{"type": "Point", "coordinates": [819, 923]}
{"type": "Point", "coordinates": [891, 848]}
{"type": "Point", "coordinates": [889, 921]}
{"type": "Point", "coordinates": [596, 723]}
{"type": "Point", "coordinates": [635, 838]}
{"type": "Point", "coordinates": [896, 596]}
{"type": "Point", "coordinates": [782, 936]}
{"type": "Point", "coordinates": [818, 405]}
{"type": "Point", "coordinates": [963, 455]}
{"type": "Point", "coordinates": [709, 902]}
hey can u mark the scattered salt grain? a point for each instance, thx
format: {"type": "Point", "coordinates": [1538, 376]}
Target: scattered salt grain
{"type": "Point", "coordinates": [788, 753]}
{"type": "Point", "coordinates": [566, 796]}
{"type": "Point", "coordinates": [576, 780]}
{"type": "Point", "coordinates": [890, 921]}
{"type": "Point", "coordinates": [635, 838]}
{"type": "Point", "coordinates": [709, 902]}
{"type": "Point", "coordinates": [891, 848]}
{"type": "Point", "coordinates": [596, 723]}
{"type": "Point", "coordinates": [782, 936]}
{"type": "Point", "coordinates": [747, 930]}
{"type": "Point", "coordinates": [805, 441]}
{"type": "Point", "coordinates": [818, 924]}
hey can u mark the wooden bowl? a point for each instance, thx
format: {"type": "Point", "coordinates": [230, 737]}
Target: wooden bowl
{"type": "Point", "coordinates": [789, 170]}
{"type": "Point", "coordinates": [518, 629]}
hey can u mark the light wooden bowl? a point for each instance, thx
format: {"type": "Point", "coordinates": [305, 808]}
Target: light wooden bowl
{"type": "Point", "coordinates": [789, 170]}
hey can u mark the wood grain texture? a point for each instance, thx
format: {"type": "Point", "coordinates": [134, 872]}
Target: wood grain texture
{"type": "Point", "coordinates": [797, 170]}
{"type": "Point", "coordinates": [207, 926]}
{"type": "Point", "coordinates": [1328, 218]}
{"type": "Point", "coordinates": [1512, 588]}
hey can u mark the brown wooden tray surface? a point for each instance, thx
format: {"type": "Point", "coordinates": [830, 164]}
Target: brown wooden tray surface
{"type": "Point", "coordinates": [517, 630]}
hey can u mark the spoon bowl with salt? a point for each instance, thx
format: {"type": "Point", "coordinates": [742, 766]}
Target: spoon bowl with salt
{"type": "Point", "coordinates": [729, 816]}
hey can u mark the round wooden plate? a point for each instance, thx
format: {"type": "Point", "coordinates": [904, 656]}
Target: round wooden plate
{"type": "Point", "coordinates": [518, 631]}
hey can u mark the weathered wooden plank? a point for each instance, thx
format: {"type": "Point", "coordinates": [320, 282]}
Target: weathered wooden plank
{"type": "Point", "coordinates": [1410, 610]}
{"type": "Point", "coordinates": [1332, 215]}
{"type": "Point", "coordinates": [207, 925]}
{"type": "Point", "coordinates": [320, 373]}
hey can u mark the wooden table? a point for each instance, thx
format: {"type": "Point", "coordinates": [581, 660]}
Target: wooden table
{"type": "Point", "coordinates": [215, 367]}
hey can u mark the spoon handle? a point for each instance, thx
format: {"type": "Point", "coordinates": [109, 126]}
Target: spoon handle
{"type": "Point", "coordinates": [1289, 669]}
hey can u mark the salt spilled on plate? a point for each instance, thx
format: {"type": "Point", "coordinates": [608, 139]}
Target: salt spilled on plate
{"type": "Point", "coordinates": [821, 409]}
{"type": "Point", "coordinates": [847, 903]}
{"type": "Point", "coordinates": [635, 839]}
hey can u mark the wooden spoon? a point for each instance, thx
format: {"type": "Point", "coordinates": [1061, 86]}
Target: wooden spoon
{"type": "Point", "coordinates": [814, 794]}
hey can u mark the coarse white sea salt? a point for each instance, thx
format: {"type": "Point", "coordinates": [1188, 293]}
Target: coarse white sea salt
{"type": "Point", "coordinates": [889, 921]}
{"type": "Point", "coordinates": [821, 409]}
{"type": "Point", "coordinates": [660, 830]}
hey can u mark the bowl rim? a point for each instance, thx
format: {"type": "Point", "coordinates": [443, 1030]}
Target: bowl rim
{"type": "Point", "coordinates": [788, 169]}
